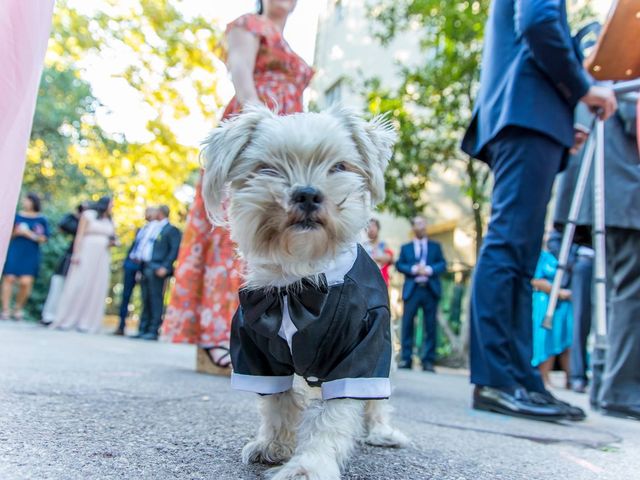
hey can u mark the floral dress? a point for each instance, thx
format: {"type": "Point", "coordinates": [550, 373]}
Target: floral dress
{"type": "Point", "coordinates": [209, 273]}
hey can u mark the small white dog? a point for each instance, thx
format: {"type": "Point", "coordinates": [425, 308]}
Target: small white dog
{"type": "Point", "coordinates": [300, 191]}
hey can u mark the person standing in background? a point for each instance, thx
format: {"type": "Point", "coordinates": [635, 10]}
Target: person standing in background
{"type": "Point", "coordinates": [208, 276]}
{"type": "Point", "coordinates": [615, 388]}
{"type": "Point", "coordinates": [554, 343]}
{"type": "Point", "coordinates": [69, 226]}
{"type": "Point", "coordinates": [378, 249]}
{"type": "Point", "coordinates": [132, 267]}
{"type": "Point", "coordinates": [422, 262]}
{"type": "Point", "coordinates": [522, 126]}
{"type": "Point", "coordinates": [85, 289]}
{"type": "Point", "coordinates": [157, 266]}
{"type": "Point", "coordinates": [23, 256]}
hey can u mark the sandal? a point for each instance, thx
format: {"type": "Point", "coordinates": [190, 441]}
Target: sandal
{"type": "Point", "coordinates": [5, 315]}
{"type": "Point", "coordinates": [18, 315]}
{"type": "Point", "coordinates": [214, 360]}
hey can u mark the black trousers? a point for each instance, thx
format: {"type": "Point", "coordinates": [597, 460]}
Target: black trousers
{"type": "Point", "coordinates": [152, 300]}
{"type": "Point", "coordinates": [129, 284]}
{"type": "Point", "coordinates": [423, 298]}
{"type": "Point", "coordinates": [620, 383]}
{"type": "Point", "coordinates": [581, 286]}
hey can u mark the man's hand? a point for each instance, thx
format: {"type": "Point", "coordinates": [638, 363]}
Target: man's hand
{"type": "Point", "coordinates": [579, 137]}
{"type": "Point", "coordinates": [564, 294]}
{"type": "Point", "coordinates": [161, 272]}
{"type": "Point", "coordinates": [601, 100]}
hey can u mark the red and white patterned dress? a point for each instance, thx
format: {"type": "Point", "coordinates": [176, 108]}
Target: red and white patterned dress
{"type": "Point", "coordinates": [209, 273]}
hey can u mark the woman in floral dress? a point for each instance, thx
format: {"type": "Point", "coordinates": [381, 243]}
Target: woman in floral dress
{"type": "Point", "coordinates": [209, 274]}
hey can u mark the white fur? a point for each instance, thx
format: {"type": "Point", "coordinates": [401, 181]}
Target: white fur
{"type": "Point", "coordinates": [254, 163]}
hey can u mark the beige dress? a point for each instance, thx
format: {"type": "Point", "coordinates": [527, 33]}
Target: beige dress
{"type": "Point", "coordinates": [85, 289]}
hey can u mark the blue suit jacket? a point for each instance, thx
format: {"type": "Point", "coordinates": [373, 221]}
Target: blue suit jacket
{"type": "Point", "coordinates": [531, 74]}
{"type": "Point", "coordinates": [435, 259]}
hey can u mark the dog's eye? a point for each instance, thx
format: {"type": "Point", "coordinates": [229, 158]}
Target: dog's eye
{"type": "Point", "coordinates": [338, 167]}
{"type": "Point", "coordinates": [265, 169]}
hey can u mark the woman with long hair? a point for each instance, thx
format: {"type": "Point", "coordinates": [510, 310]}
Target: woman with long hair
{"type": "Point", "coordinates": [23, 257]}
{"type": "Point", "coordinates": [82, 302]}
{"type": "Point", "coordinates": [264, 69]}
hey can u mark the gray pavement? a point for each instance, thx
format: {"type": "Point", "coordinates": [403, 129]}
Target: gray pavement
{"type": "Point", "coordinates": [75, 406]}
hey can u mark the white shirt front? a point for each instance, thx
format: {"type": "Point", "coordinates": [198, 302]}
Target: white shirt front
{"type": "Point", "coordinates": [421, 250]}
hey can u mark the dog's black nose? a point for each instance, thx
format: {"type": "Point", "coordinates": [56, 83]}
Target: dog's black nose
{"type": "Point", "coordinates": [308, 199]}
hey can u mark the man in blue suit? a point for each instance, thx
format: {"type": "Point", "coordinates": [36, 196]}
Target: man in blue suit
{"type": "Point", "coordinates": [522, 126]}
{"type": "Point", "coordinates": [421, 262]}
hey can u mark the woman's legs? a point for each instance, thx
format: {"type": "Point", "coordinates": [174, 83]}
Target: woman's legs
{"type": "Point", "coordinates": [564, 358]}
{"type": "Point", "coordinates": [7, 290]}
{"type": "Point", "coordinates": [25, 284]}
{"type": "Point", "coordinates": [545, 368]}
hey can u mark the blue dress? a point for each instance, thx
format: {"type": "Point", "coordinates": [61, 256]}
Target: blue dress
{"type": "Point", "coordinates": [548, 343]}
{"type": "Point", "coordinates": [23, 255]}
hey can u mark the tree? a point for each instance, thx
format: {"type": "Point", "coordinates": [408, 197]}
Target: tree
{"type": "Point", "coordinates": [432, 105]}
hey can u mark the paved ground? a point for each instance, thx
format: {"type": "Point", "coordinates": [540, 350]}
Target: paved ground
{"type": "Point", "coordinates": [76, 406]}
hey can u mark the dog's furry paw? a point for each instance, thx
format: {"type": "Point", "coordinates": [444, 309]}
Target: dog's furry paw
{"type": "Point", "coordinates": [386, 436]}
{"type": "Point", "coordinates": [271, 453]}
{"type": "Point", "coordinates": [306, 469]}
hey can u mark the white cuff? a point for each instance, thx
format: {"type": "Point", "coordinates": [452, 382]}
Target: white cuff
{"type": "Point", "coordinates": [414, 269]}
{"type": "Point", "coordinates": [429, 271]}
{"type": "Point", "coordinates": [260, 384]}
{"type": "Point", "coordinates": [356, 388]}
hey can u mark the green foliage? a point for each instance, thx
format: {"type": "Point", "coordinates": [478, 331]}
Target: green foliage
{"type": "Point", "coordinates": [433, 102]}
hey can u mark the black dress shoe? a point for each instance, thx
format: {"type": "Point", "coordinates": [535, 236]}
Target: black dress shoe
{"type": "Point", "coordinates": [516, 403]}
{"type": "Point", "coordinates": [621, 411]}
{"type": "Point", "coordinates": [149, 336]}
{"type": "Point", "coordinates": [405, 364]}
{"type": "Point", "coordinates": [575, 414]}
{"type": "Point", "coordinates": [119, 333]}
{"type": "Point", "coordinates": [428, 367]}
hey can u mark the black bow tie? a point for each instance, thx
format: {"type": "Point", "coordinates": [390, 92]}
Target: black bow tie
{"type": "Point", "coordinates": [262, 309]}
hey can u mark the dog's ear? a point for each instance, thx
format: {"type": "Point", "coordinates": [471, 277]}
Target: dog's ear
{"type": "Point", "coordinates": [221, 151]}
{"type": "Point", "coordinates": [374, 141]}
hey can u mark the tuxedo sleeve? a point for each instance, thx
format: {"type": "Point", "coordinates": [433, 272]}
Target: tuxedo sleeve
{"type": "Point", "coordinates": [539, 23]}
{"type": "Point", "coordinates": [174, 246]}
{"type": "Point", "coordinates": [363, 373]}
{"type": "Point", "coordinates": [440, 264]}
{"type": "Point", "coordinates": [253, 370]}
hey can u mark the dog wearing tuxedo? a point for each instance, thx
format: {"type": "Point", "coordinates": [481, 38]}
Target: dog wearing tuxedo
{"type": "Point", "coordinates": [312, 334]}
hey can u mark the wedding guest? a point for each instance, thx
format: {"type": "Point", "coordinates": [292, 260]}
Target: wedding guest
{"type": "Point", "coordinates": [378, 249]}
{"type": "Point", "coordinates": [83, 297]}
{"type": "Point", "coordinates": [422, 262]}
{"type": "Point", "coordinates": [30, 230]}
{"type": "Point", "coordinates": [554, 343]}
{"type": "Point", "coordinates": [157, 266]}
{"type": "Point", "coordinates": [132, 266]}
{"type": "Point", "coordinates": [263, 69]}
{"type": "Point", "coordinates": [68, 226]}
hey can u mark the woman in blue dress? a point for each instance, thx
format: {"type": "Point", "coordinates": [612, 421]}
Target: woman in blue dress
{"type": "Point", "coordinates": [30, 230]}
{"type": "Point", "coordinates": [549, 344]}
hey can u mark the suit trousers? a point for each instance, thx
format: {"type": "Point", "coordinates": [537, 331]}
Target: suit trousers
{"type": "Point", "coordinates": [129, 284]}
{"type": "Point", "coordinates": [620, 383]}
{"type": "Point", "coordinates": [524, 164]}
{"type": "Point", "coordinates": [152, 301]}
{"type": "Point", "coordinates": [581, 287]}
{"type": "Point", "coordinates": [423, 298]}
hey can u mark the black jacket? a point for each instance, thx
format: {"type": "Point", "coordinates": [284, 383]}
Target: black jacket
{"type": "Point", "coordinates": [342, 339]}
{"type": "Point", "coordinates": [165, 248]}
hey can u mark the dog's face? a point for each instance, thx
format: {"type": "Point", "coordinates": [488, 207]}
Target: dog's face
{"type": "Point", "coordinates": [301, 186]}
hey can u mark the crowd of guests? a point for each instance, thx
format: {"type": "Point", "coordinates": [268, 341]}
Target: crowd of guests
{"type": "Point", "coordinates": [80, 282]}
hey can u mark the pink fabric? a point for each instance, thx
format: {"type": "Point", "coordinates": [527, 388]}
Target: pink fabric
{"type": "Point", "coordinates": [24, 30]}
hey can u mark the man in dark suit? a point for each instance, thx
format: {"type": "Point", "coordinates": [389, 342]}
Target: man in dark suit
{"type": "Point", "coordinates": [132, 267]}
{"type": "Point", "coordinates": [522, 126]}
{"type": "Point", "coordinates": [157, 267]}
{"type": "Point", "coordinates": [421, 262]}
